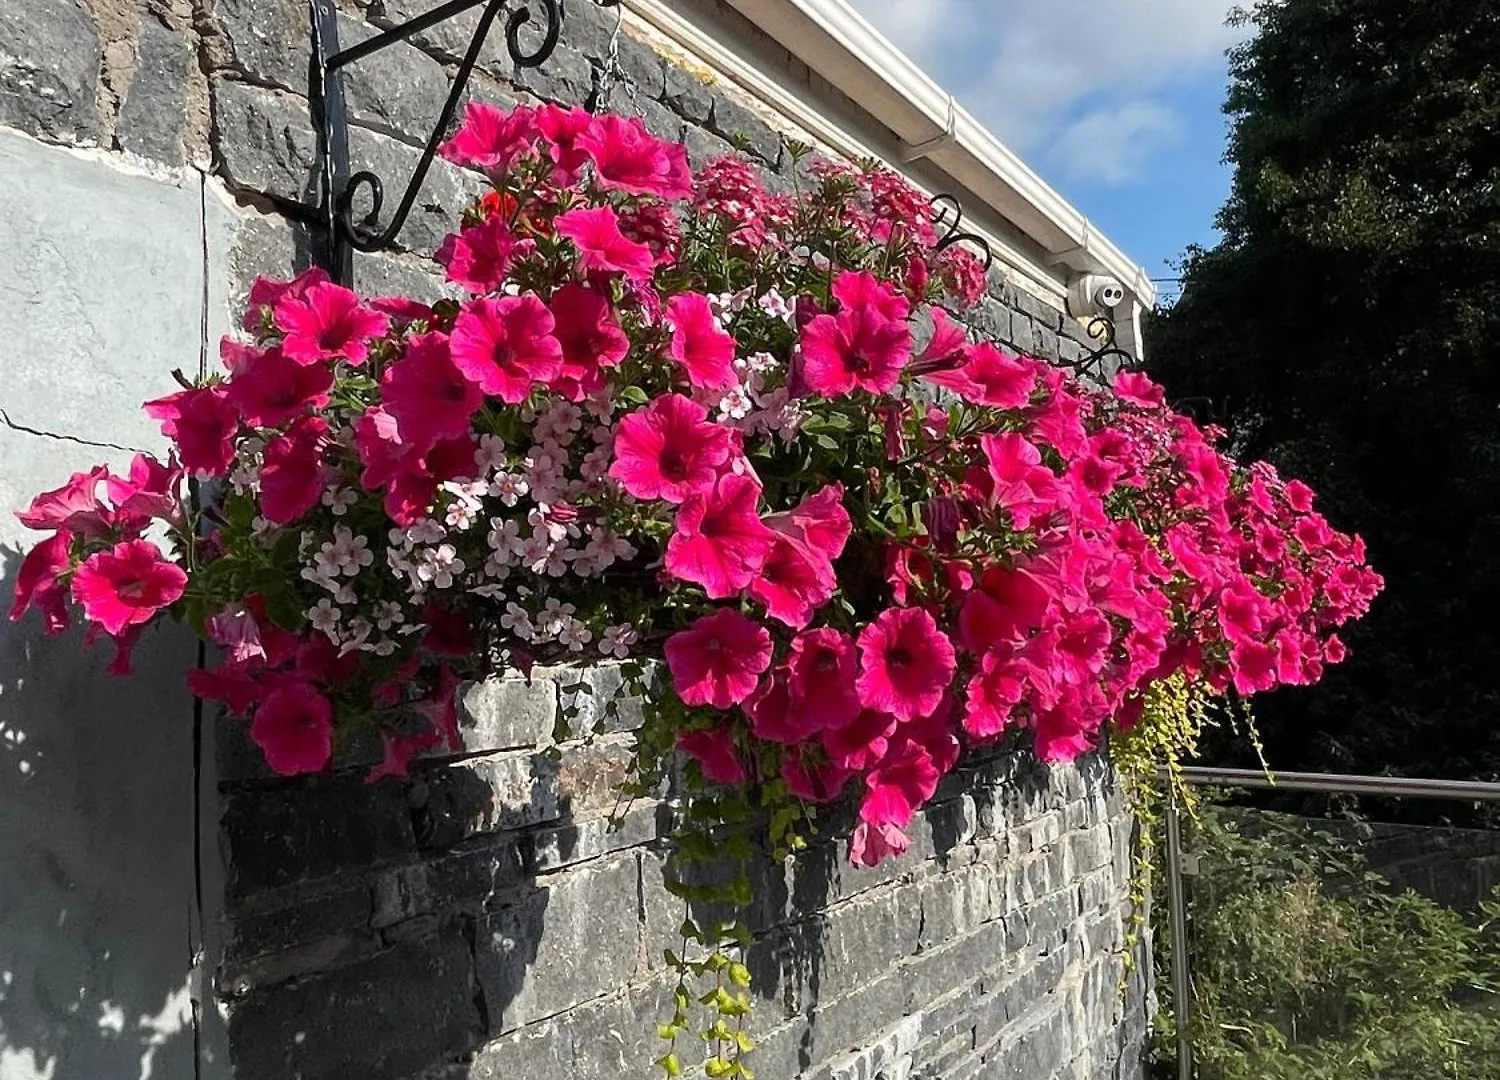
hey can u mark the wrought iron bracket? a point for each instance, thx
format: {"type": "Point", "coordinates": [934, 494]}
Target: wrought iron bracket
{"type": "Point", "coordinates": [337, 187]}
{"type": "Point", "coordinates": [945, 203]}
{"type": "Point", "coordinates": [1102, 329]}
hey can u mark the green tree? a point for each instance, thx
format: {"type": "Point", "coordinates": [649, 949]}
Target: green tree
{"type": "Point", "coordinates": [1347, 328]}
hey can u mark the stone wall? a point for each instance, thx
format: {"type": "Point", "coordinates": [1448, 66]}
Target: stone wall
{"type": "Point", "coordinates": [481, 919]}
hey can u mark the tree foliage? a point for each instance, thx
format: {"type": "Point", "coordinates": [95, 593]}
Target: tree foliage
{"type": "Point", "coordinates": [1347, 327]}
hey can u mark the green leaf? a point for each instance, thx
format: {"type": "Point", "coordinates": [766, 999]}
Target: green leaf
{"type": "Point", "coordinates": [670, 1065]}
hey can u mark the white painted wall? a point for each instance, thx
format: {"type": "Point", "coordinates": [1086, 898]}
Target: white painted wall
{"type": "Point", "coordinates": [102, 294]}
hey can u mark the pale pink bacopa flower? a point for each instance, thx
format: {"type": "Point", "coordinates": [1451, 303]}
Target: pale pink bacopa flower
{"type": "Point", "coordinates": [479, 256]}
{"type": "Point", "coordinates": [602, 246]}
{"type": "Point", "coordinates": [906, 663]}
{"type": "Point", "coordinates": [491, 138]}
{"type": "Point", "coordinates": [629, 158]}
{"type": "Point", "coordinates": [428, 394]}
{"type": "Point", "coordinates": [718, 540]}
{"type": "Point", "coordinates": [127, 585]}
{"type": "Point", "coordinates": [293, 727]}
{"type": "Point", "coordinates": [699, 345]}
{"type": "Point", "coordinates": [327, 322]}
{"type": "Point", "coordinates": [269, 388]}
{"type": "Point", "coordinates": [506, 346]}
{"type": "Point", "coordinates": [715, 753]}
{"type": "Point", "coordinates": [669, 450]}
{"type": "Point", "coordinates": [719, 659]}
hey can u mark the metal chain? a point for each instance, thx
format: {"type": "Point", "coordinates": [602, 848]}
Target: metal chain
{"type": "Point", "coordinates": [613, 74]}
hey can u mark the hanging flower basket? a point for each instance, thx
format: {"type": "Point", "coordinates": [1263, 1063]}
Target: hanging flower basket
{"type": "Point", "coordinates": [681, 419]}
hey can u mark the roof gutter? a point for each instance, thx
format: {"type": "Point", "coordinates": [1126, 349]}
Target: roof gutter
{"type": "Point", "coordinates": [834, 41]}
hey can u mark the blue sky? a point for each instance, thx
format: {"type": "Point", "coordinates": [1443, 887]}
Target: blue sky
{"type": "Point", "coordinates": [1116, 104]}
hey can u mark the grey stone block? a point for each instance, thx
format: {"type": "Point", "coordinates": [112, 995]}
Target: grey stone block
{"type": "Point", "coordinates": [579, 841]}
{"type": "Point", "coordinates": [269, 41]}
{"type": "Point", "coordinates": [310, 829]}
{"type": "Point", "coordinates": [567, 78]}
{"type": "Point", "coordinates": [153, 110]}
{"type": "Point", "coordinates": [990, 318]}
{"type": "Point", "coordinates": [486, 795]}
{"type": "Point", "coordinates": [386, 1017]}
{"type": "Point", "coordinates": [508, 712]}
{"type": "Point", "coordinates": [383, 274]}
{"type": "Point", "coordinates": [688, 94]}
{"type": "Point", "coordinates": [741, 127]}
{"type": "Point", "coordinates": [572, 939]}
{"type": "Point", "coordinates": [660, 120]}
{"type": "Point", "coordinates": [1047, 344]}
{"type": "Point", "coordinates": [450, 39]}
{"type": "Point", "coordinates": [49, 68]}
{"type": "Point", "coordinates": [643, 67]}
{"type": "Point", "coordinates": [703, 146]}
{"type": "Point", "coordinates": [1022, 333]}
{"type": "Point", "coordinates": [398, 91]}
{"type": "Point", "coordinates": [281, 919]}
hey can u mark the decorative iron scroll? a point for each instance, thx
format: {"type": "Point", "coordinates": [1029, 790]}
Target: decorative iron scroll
{"type": "Point", "coordinates": [945, 202]}
{"type": "Point", "coordinates": [338, 188]}
{"type": "Point", "coordinates": [1102, 329]}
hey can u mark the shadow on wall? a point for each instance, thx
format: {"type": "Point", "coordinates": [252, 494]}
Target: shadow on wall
{"type": "Point", "coordinates": [97, 795]}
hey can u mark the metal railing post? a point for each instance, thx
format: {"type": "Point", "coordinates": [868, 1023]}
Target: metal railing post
{"type": "Point", "coordinates": [1177, 909]}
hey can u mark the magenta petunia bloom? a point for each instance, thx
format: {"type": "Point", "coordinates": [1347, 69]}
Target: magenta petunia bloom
{"type": "Point", "coordinates": [857, 349]}
{"type": "Point", "coordinates": [990, 377]}
{"type": "Point", "coordinates": [699, 345]}
{"type": "Point", "coordinates": [506, 346]}
{"type": "Point", "coordinates": [74, 507]}
{"type": "Point", "coordinates": [291, 478]}
{"type": "Point", "coordinates": [862, 289]}
{"type": "Point", "coordinates": [327, 322]}
{"type": "Point", "coordinates": [669, 450]}
{"type": "Point", "coordinates": [479, 256]}
{"type": "Point", "coordinates": [126, 585]}
{"type": "Point", "coordinates": [994, 692]}
{"type": "Point", "coordinates": [294, 729]}
{"type": "Point", "coordinates": [561, 129]}
{"type": "Point", "coordinates": [1023, 485]}
{"type": "Point", "coordinates": [1138, 389]}
{"type": "Point", "coordinates": [769, 710]}
{"type": "Point", "coordinates": [37, 584]}
{"type": "Point", "coordinates": [602, 246]}
{"type": "Point", "coordinates": [491, 138]}
{"type": "Point", "coordinates": [269, 388]}
{"type": "Point", "coordinates": [821, 670]}
{"type": "Point", "coordinates": [718, 540]}
{"type": "Point", "coordinates": [793, 582]}
{"type": "Point", "coordinates": [812, 781]}
{"type": "Point", "coordinates": [629, 158]}
{"type": "Point", "coordinates": [715, 754]}
{"type": "Point", "coordinates": [905, 779]}
{"type": "Point", "coordinates": [718, 660]}
{"type": "Point", "coordinates": [428, 395]}
{"type": "Point", "coordinates": [906, 663]}
{"type": "Point", "coordinates": [591, 339]}
{"type": "Point", "coordinates": [266, 295]}
{"type": "Point", "coordinates": [871, 845]}
{"type": "Point", "coordinates": [201, 423]}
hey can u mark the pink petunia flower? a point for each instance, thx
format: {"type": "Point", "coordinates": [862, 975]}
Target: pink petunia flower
{"type": "Point", "coordinates": [629, 158]}
{"type": "Point", "coordinates": [770, 713]}
{"type": "Point", "coordinates": [291, 478]}
{"type": "Point", "coordinates": [905, 779]}
{"type": "Point", "coordinates": [591, 340]}
{"type": "Point", "coordinates": [819, 520]}
{"type": "Point", "coordinates": [718, 660]}
{"type": "Point", "coordinates": [862, 742]}
{"type": "Point", "coordinates": [491, 138]}
{"type": "Point", "coordinates": [1023, 485]}
{"type": "Point", "coordinates": [857, 349]}
{"type": "Point", "coordinates": [906, 663]}
{"type": "Point", "coordinates": [269, 388]}
{"type": "Point", "coordinates": [506, 346]}
{"type": "Point", "coordinates": [201, 423]}
{"type": "Point", "coordinates": [294, 729]}
{"type": "Point", "coordinates": [1138, 389]}
{"type": "Point", "coordinates": [75, 507]}
{"type": "Point", "coordinates": [562, 128]}
{"type": "Point", "coordinates": [713, 750]}
{"type": "Point", "coordinates": [699, 345]}
{"type": "Point", "coordinates": [821, 670]}
{"type": "Point", "coordinates": [38, 585]}
{"type": "Point", "coordinates": [602, 246]}
{"type": "Point", "coordinates": [427, 393]}
{"type": "Point", "coordinates": [669, 450]}
{"type": "Point", "coordinates": [793, 582]}
{"type": "Point", "coordinates": [870, 845]}
{"type": "Point", "coordinates": [127, 585]}
{"type": "Point", "coordinates": [990, 377]}
{"type": "Point", "coordinates": [995, 691]}
{"type": "Point", "coordinates": [812, 781]}
{"type": "Point", "coordinates": [266, 295]}
{"type": "Point", "coordinates": [718, 540]}
{"type": "Point", "coordinates": [327, 322]}
{"type": "Point", "coordinates": [479, 256]}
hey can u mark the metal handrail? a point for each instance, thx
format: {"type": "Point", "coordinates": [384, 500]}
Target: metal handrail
{"type": "Point", "coordinates": [1333, 783]}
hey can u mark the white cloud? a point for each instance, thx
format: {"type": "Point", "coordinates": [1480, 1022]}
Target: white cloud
{"type": "Point", "coordinates": [1074, 85]}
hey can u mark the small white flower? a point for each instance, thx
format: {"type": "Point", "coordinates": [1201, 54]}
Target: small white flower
{"type": "Point", "coordinates": [552, 617]}
{"type": "Point", "coordinates": [775, 305]}
{"type": "Point", "coordinates": [426, 531]}
{"type": "Point", "coordinates": [492, 591]}
{"type": "Point", "coordinates": [344, 594]}
{"type": "Point", "coordinates": [518, 621]}
{"type": "Point", "coordinates": [245, 477]}
{"type": "Point", "coordinates": [490, 456]}
{"type": "Point", "coordinates": [460, 515]}
{"type": "Point", "coordinates": [558, 424]}
{"type": "Point", "coordinates": [324, 617]}
{"type": "Point", "coordinates": [761, 362]}
{"type": "Point", "coordinates": [616, 640]}
{"type": "Point", "coordinates": [355, 635]}
{"type": "Point", "coordinates": [735, 405]}
{"type": "Point", "coordinates": [575, 635]}
{"type": "Point", "coordinates": [340, 499]}
{"type": "Point", "coordinates": [388, 613]}
{"type": "Point", "coordinates": [497, 567]}
{"type": "Point", "coordinates": [534, 551]}
{"type": "Point", "coordinates": [504, 537]}
{"type": "Point", "coordinates": [509, 488]}
{"type": "Point", "coordinates": [439, 565]}
{"type": "Point", "coordinates": [383, 647]}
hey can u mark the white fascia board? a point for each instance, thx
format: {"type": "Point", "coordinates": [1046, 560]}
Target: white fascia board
{"type": "Point", "coordinates": [836, 42]}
